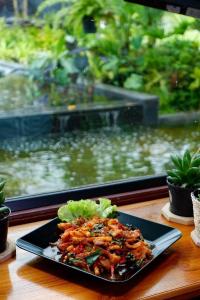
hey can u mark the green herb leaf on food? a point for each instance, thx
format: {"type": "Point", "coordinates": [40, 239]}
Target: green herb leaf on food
{"type": "Point", "coordinates": [90, 259]}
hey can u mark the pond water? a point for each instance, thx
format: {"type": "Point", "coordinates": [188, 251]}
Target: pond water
{"type": "Point", "coordinates": [58, 162]}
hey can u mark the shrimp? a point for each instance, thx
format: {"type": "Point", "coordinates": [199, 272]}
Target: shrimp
{"type": "Point", "coordinates": [101, 245]}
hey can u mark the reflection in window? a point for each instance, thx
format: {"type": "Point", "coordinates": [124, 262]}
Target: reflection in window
{"type": "Point", "coordinates": [92, 92]}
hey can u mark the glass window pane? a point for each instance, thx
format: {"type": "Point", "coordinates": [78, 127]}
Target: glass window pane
{"type": "Point", "coordinates": [93, 92]}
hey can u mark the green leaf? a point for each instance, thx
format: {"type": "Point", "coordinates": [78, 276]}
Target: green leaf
{"type": "Point", "coordinates": [170, 173]}
{"type": "Point", "coordinates": [175, 173]}
{"type": "Point", "coordinates": [173, 180]}
{"type": "Point", "coordinates": [176, 161]}
{"type": "Point", "coordinates": [137, 41]}
{"type": "Point", "coordinates": [86, 208]}
{"type": "Point", "coordinates": [48, 3]}
{"type": "Point", "coordinates": [65, 214]}
{"type": "Point", "coordinates": [106, 209]}
{"type": "Point", "coordinates": [68, 65]}
{"type": "Point", "coordinates": [2, 184]}
{"type": "Point", "coordinates": [4, 210]}
{"type": "Point", "coordinates": [186, 160]}
{"type": "Point", "coordinates": [196, 161]}
{"type": "Point", "coordinates": [93, 257]}
{"type": "Point", "coordinates": [61, 77]}
{"type": "Point", "coordinates": [2, 195]}
{"type": "Point", "coordinates": [134, 82]}
{"type": "Point", "coordinates": [193, 172]}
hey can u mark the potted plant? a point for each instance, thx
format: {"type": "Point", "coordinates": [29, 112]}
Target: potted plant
{"type": "Point", "coordinates": [182, 179]}
{"type": "Point", "coordinates": [4, 218]}
{"type": "Point", "coordinates": [195, 234]}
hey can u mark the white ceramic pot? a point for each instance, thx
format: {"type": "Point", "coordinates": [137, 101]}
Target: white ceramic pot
{"type": "Point", "coordinates": [195, 234]}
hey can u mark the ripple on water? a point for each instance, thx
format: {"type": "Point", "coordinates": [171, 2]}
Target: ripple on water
{"type": "Point", "coordinates": [53, 163]}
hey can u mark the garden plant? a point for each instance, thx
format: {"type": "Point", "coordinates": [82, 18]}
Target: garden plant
{"type": "Point", "coordinates": [148, 55]}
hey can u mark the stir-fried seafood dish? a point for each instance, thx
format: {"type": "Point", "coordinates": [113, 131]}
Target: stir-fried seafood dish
{"type": "Point", "coordinates": [103, 246]}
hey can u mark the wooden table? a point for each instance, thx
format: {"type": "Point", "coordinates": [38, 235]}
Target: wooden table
{"type": "Point", "coordinates": [175, 275]}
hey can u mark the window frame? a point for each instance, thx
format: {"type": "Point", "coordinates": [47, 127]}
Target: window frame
{"type": "Point", "coordinates": [44, 206]}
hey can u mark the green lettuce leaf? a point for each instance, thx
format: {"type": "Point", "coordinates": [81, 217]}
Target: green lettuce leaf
{"type": "Point", "coordinates": [87, 209]}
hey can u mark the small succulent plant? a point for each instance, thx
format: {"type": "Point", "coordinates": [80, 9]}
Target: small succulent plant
{"type": "Point", "coordinates": [185, 170]}
{"type": "Point", "coordinates": [3, 209]}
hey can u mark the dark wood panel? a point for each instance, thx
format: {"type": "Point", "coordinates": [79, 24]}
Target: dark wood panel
{"type": "Point", "coordinates": [47, 212]}
{"type": "Point", "coordinates": [85, 192]}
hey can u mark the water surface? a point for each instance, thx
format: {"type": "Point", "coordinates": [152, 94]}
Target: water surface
{"type": "Point", "coordinates": [58, 162]}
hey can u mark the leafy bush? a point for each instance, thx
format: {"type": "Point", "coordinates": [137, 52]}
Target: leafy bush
{"type": "Point", "coordinates": [134, 48]}
{"type": "Point", "coordinates": [171, 70]}
{"type": "Point", "coordinates": [22, 44]}
{"type": "Point", "coordinates": [138, 48]}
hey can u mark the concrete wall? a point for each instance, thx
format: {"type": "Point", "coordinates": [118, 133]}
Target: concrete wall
{"type": "Point", "coordinates": [30, 123]}
{"type": "Point", "coordinates": [150, 103]}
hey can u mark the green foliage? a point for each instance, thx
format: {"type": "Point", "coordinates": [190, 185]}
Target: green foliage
{"type": "Point", "coordinates": [22, 44]}
{"type": "Point", "coordinates": [90, 259]}
{"type": "Point", "coordinates": [52, 68]}
{"type": "Point", "coordinates": [133, 49]}
{"type": "Point", "coordinates": [168, 72]}
{"type": "Point", "coordinates": [185, 170]}
{"type": "Point", "coordinates": [2, 196]}
{"type": "Point", "coordinates": [72, 12]}
{"type": "Point", "coordinates": [86, 208]}
{"type": "Point", "coordinates": [3, 209]}
{"type": "Point", "coordinates": [133, 82]}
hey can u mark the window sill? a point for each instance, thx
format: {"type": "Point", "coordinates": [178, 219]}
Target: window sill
{"type": "Point", "coordinates": [50, 211]}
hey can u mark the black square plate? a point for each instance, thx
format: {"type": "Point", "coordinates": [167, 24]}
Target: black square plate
{"type": "Point", "coordinates": [159, 236]}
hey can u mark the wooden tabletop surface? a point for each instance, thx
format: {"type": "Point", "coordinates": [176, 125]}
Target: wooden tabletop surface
{"type": "Point", "coordinates": [175, 274]}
